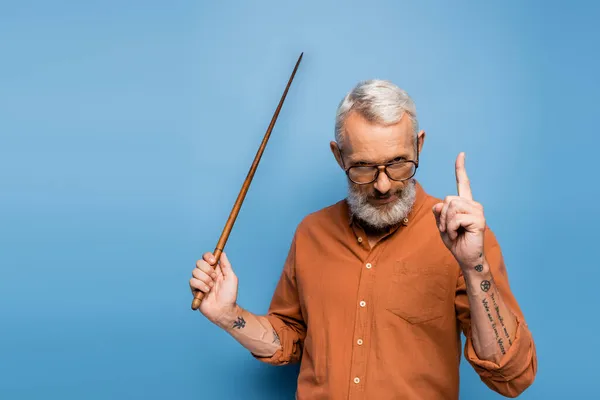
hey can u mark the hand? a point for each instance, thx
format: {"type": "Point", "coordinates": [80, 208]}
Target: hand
{"type": "Point", "coordinates": [220, 286]}
{"type": "Point", "coordinates": [461, 222]}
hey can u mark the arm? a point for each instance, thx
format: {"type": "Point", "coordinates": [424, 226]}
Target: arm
{"type": "Point", "coordinates": [253, 332]}
{"type": "Point", "coordinates": [275, 338]}
{"type": "Point", "coordinates": [499, 345]}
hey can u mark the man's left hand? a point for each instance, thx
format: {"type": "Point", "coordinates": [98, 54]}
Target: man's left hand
{"type": "Point", "coordinates": [461, 222]}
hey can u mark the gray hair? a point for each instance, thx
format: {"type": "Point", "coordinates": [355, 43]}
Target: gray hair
{"type": "Point", "coordinates": [378, 101]}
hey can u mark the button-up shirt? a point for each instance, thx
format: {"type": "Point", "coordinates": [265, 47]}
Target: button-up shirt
{"type": "Point", "coordinates": [385, 322]}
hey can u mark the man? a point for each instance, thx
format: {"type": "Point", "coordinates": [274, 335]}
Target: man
{"type": "Point", "coordinates": [377, 288]}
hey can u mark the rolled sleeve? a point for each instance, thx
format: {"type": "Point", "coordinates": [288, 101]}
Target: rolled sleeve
{"type": "Point", "coordinates": [515, 370]}
{"type": "Point", "coordinates": [291, 344]}
{"type": "Point", "coordinates": [285, 315]}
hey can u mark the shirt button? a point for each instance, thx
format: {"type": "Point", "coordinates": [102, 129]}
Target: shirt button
{"type": "Point", "coordinates": [405, 221]}
{"type": "Point", "coordinates": [356, 380]}
{"type": "Point", "coordinates": [368, 265]}
{"type": "Point", "coordinates": [359, 341]}
{"type": "Point", "coordinates": [359, 239]}
{"type": "Point", "coordinates": [363, 303]}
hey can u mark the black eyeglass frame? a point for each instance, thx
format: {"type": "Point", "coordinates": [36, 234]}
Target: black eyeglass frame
{"type": "Point", "coordinates": [380, 167]}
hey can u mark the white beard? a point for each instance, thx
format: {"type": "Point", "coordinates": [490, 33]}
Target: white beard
{"type": "Point", "coordinates": [386, 215]}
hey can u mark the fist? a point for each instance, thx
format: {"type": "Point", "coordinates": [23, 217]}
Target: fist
{"type": "Point", "coordinates": [219, 285]}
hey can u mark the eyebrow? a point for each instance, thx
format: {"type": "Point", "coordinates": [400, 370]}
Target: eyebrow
{"type": "Point", "coordinates": [364, 162]}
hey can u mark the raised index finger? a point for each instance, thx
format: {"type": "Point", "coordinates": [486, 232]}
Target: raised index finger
{"type": "Point", "coordinates": [462, 180]}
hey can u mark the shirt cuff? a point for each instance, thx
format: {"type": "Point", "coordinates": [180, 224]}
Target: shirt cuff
{"type": "Point", "coordinates": [290, 350]}
{"type": "Point", "coordinates": [512, 364]}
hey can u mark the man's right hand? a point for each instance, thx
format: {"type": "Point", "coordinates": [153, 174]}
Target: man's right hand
{"type": "Point", "coordinates": [219, 285]}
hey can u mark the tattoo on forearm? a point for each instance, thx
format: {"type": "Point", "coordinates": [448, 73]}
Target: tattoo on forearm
{"type": "Point", "coordinates": [489, 315]}
{"type": "Point", "coordinates": [276, 337]}
{"type": "Point", "coordinates": [485, 285]}
{"type": "Point", "coordinates": [506, 334]}
{"type": "Point", "coordinates": [487, 310]}
{"type": "Point", "coordinates": [502, 349]}
{"type": "Point", "coordinates": [239, 323]}
{"type": "Point", "coordinates": [479, 268]}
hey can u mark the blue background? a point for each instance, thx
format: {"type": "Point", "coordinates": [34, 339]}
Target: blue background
{"type": "Point", "coordinates": [127, 128]}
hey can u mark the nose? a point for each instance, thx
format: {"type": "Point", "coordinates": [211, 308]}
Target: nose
{"type": "Point", "coordinates": [383, 184]}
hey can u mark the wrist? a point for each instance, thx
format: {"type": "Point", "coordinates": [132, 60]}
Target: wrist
{"type": "Point", "coordinates": [228, 316]}
{"type": "Point", "coordinates": [479, 269]}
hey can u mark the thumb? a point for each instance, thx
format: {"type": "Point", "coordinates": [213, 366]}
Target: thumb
{"type": "Point", "coordinates": [226, 267]}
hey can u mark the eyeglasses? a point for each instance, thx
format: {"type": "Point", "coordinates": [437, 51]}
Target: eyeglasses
{"type": "Point", "coordinates": [396, 170]}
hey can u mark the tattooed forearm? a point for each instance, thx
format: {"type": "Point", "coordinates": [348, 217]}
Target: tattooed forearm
{"type": "Point", "coordinates": [251, 331]}
{"type": "Point", "coordinates": [493, 324]}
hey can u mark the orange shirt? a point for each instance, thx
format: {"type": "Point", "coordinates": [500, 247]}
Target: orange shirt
{"type": "Point", "coordinates": [385, 322]}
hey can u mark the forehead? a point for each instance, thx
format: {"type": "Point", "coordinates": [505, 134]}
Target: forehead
{"type": "Point", "coordinates": [369, 141]}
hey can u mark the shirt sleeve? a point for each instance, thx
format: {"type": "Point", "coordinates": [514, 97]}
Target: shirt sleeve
{"type": "Point", "coordinates": [285, 315]}
{"type": "Point", "coordinates": [517, 368]}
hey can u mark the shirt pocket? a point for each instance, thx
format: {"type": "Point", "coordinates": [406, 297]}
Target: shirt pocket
{"type": "Point", "coordinates": [418, 292]}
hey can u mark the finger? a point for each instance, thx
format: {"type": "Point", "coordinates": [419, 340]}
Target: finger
{"type": "Point", "coordinates": [460, 220]}
{"type": "Point", "coordinates": [209, 258]}
{"type": "Point", "coordinates": [205, 267]}
{"type": "Point", "coordinates": [462, 180]}
{"type": "Point", "coordinates": [219, 273]}
{"type": "Point", "coordinates": [204, 277]}
{"type": "Point", "coordinates": [444, 211]}
{"type": "Point", "coordinates": [226, 268]}
{"type": "Point", "coordinates": [460, 206]}
{"type": "Point", "coordinates": [437, 210]}
{"type": "Point", "coordinates": [197, 284]}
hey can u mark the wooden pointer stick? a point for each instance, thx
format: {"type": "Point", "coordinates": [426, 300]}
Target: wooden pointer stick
{"type": "Point", "coordinates": [199, 295]}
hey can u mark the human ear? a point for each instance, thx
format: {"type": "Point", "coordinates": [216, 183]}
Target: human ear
{"type": "Point", "coordinates": [420, 140]}
{"type": "Point", "coordinates": [336, 153]}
